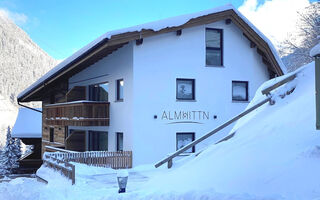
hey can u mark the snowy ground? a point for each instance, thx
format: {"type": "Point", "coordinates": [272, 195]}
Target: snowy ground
{"type": "Point", "coordinates": [274, 155]}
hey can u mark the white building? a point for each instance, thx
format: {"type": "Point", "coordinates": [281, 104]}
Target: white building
{"type": "Point", "coordinates": [167, 83]}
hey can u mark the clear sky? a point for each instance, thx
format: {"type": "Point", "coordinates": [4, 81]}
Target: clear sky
{"type": "Point", "coordinates": [61, 27]}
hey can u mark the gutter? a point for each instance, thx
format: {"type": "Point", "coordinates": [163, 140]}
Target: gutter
{"type": "Point", "coordinates": [29, 107]}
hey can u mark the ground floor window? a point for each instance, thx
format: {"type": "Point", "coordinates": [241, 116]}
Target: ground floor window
{"type": "Point", "coordinates": [98, 141]}
{"type": "Point", "coordinates": [184, 139]}
{"type": "Point", "coordinates": [240, 91]}
{"type": "Point", "coordinates": [119, 141]}
{"type": "Point", "coordinates": [51, 136]}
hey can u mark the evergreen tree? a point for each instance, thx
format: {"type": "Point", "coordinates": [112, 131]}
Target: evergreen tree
{"type": "Point", "coordinates": [11, 153]}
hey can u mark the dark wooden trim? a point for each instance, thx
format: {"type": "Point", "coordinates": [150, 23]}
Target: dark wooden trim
{"type": "Point", "coordinates": [247, 90]}
{"type": "Point", "coordinates": [139, 41]}
{"type": "Point", "coordinates": [193, 88]}
{"type": "Point", "coordinates": [86, 113]}
{"type": "Point", "coordinates": [193, 138]}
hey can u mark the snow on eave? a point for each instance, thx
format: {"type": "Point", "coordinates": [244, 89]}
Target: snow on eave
{"type": "Point", "coordinates": [315, 51]}
{"type": "Point", "coordinates": [28, 124]}
{"type": "Point", "coordinates": [155, 26]}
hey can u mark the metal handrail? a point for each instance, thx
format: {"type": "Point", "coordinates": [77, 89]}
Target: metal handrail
{"type": "Point", "coordinates": [266, 91]}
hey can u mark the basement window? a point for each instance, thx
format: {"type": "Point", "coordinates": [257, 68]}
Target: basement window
{"type": "Point", "coordinates": [184, 139]}
{"type": "Point", "coordinates": [240, 91]}
{"type": "Point", "coordinates": [214, 47]}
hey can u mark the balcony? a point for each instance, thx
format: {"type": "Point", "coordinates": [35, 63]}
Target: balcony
{"type": "Point", "coordinates": [77, 113]}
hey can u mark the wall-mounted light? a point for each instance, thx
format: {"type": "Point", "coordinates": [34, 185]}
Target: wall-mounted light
{"type": "Point", "coordinates": [155, 116]}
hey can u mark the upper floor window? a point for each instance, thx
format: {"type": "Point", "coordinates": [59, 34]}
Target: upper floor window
{"type": "Point", "coordinates": [120, 84]}
{"type": "Point", "coordinates": [240, 91]}
{"type": "Point", "coordinates": [99, 92]}
{"type": "Point", "coordinates": [214, 46]}
{"type": "Point", "coordinates": [185, 89]}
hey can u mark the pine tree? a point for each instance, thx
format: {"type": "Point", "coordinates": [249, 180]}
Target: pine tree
{"type": "Point", "coordinates": [11, 154]}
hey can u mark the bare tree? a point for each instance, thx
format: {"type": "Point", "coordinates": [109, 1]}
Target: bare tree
{"type": "Point", "coordinates": [295, 49]}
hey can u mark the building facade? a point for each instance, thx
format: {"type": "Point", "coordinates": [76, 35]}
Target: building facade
{"type": "Point", "coordinates": [153, 91]}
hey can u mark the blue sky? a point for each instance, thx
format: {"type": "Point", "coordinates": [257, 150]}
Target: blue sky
{"type": "Point", "coordinates": [61, 27]}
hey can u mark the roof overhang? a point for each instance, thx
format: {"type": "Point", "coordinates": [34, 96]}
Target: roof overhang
{"type": "Point", "coordinates": [104, 46]}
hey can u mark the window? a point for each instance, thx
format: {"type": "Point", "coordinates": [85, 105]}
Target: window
{"type": "Point", "coordinates": [51, 137]}
{"type": "Point", "coordinates": [98, 141]}
{"type": "Point", "coordinates": [240, 91]}
{"type": "Point", "coordinates": [214, 44]}
{"type": "Point", "coordinates": [185, 89]}
{"type": "Point", "coordinates": [120, 84]}
{"type": "Point", "coordinates": [99, 92]}
{"type": "Point", "coordinates": [119, 141]}
{"type": "Point", "coordinates": [184, 139]}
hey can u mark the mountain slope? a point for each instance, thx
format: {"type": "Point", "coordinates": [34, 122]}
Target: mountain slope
{"type": "Point", "coordinates": [21, 63]}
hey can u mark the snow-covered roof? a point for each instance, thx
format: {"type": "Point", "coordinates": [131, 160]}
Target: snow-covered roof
{"type": "Point", "coordinates": [154, 26]}
{"type": "Point", "coordinates": [315, 50]}
{"type": "Point", "coordinates": [28, 124]}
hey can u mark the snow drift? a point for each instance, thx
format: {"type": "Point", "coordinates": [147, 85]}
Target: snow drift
{"type": "Point", "coordinates": [275, 152]}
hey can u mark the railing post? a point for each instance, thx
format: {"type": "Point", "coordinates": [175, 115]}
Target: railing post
{"type": "Point", "coordinates": [73, 174]}
{"type": "Point", "coordinates": [169, 163]}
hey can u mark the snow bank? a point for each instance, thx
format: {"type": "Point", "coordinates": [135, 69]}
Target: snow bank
{"type": "Point", "coordinates": [275, 152]}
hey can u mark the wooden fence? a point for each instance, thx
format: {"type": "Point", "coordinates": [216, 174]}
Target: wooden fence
{"type": "Point", "coordinates": [67, 169]}
{"type": "Point", "coordinates": [115, 160]}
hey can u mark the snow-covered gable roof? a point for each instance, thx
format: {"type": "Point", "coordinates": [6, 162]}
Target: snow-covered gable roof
{"type": "Point", "coordinates": [28, 124]}
{"type": "Point", "coordinates": [156, 26]}
{"type": "Point", "coordinates": [315, 51]}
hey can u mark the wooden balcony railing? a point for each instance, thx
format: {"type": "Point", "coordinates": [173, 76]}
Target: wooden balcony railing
{"type": "Point", "coordinates": [77, 113]}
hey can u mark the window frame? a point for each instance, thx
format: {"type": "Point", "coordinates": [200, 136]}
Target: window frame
{"type": "Point", "coordinates": [51, 134]}
{"type": "Point", "coordinates": [215, 48]}
{"type": "Point", "coordinates": [193, 89]}
{"type": "Point", "coordinates": [247, 91]}
{"type": "Point", "coordinates": [118, 90]}
{"type": "Point", "coordinates": [93, 85]}
{"type": "Point", "coordinates": [193, 139]}
{"type": "Point", "coordinates": [117, 141]}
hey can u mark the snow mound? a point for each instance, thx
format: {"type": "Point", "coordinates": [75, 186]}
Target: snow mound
{"type": "Point", "coordinates": [275, 152]}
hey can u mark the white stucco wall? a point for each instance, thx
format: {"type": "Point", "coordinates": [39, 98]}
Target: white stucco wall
{"type": "Point", "coordinates": [163, 58]}
{"type": "Point", "coordinates": [118, 65]}
{"type": "Point", "coordinates": [150, 71]}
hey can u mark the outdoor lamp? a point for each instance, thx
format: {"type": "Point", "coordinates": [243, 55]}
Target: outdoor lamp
{"type": "Point", "coordinates": [122, 177]}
